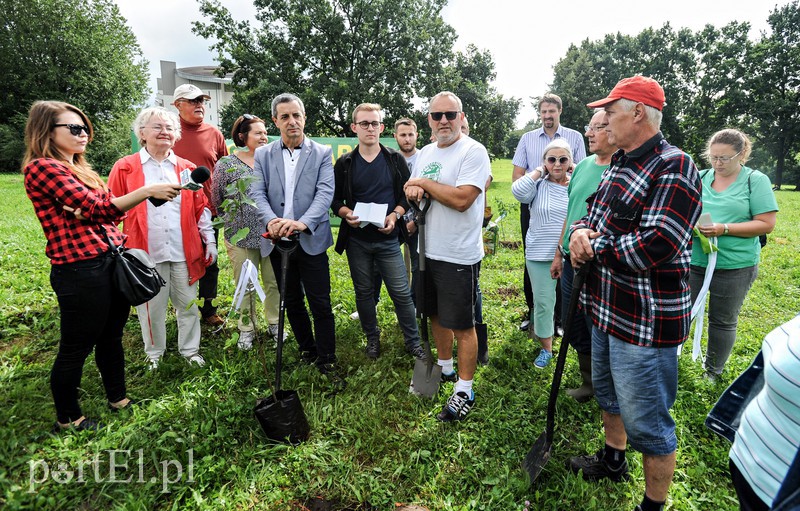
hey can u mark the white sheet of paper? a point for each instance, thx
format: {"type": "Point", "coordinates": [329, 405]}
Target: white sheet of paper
{"type": "Point", "coordinates": [371, 213]}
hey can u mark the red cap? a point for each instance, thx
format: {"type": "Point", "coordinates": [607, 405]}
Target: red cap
{"type": "Point", "coordinates": [636, 88]}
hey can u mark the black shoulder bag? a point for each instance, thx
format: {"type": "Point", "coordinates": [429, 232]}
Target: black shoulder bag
{"type": "Point", "coordinates": [135, 274]}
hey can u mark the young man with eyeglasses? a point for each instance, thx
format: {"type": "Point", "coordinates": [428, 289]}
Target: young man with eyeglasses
{"type": "Point", "coordinates": [528, 157]}
{"type": "Point", "coordinates": [202, 144]}
{"type": "Point", "coordinates": [637, 235]}
{"type": "Point", "coordinates": [452, 173]}
{"type": "Point", "coordinates": [584, 182]}
{"type": "Point", "coordinates": [374, 173]}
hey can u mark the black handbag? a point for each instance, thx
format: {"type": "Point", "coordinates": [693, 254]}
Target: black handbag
{"type": "Point", "coordinates": [135, 274]}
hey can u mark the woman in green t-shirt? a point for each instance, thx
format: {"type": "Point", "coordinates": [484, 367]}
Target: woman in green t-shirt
{"type": "Point", "coordinates": [742, 207]}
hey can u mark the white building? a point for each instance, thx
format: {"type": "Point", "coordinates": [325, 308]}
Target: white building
{"type": "Point", "coordinates": [203, 77]}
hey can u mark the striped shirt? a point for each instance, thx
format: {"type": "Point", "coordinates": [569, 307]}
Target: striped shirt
{"type": "Point", "coordinates": [530, 149]}
{"type": "Point", "coordinates": [769, 434]}
{"type": "Point", "coordinates": [548, 206]}
{"type": "Point", "coordinates": [644, 209]}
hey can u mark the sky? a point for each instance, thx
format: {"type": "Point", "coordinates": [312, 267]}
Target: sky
{"type": "Point", "coordinates": [525, 38]}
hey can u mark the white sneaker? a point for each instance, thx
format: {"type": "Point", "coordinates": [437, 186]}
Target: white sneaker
{"type": "Point", "coordinates": [354, 316]}
{"type": "Point", "coordinates": [197, 359]}
{"type": "Point", "coordinates": [152, 365]}
{"type": "Point", "coordinates": [245, 342]}
{"type": "Point", "coordinates": [272, 331]}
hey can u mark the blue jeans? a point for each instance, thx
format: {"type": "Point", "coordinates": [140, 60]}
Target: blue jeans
{"type": "Point", "coordinates": [639, 384]}
{"type": "Point", "coordinates": [363, 257]}
{"type": "Point", "coordinates": [725, 298]}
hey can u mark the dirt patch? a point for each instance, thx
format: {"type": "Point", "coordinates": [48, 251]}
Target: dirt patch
{"type": "Point", "coordinates": [507, 292]}
{"type": "Point", "coordinates": [513, 245]}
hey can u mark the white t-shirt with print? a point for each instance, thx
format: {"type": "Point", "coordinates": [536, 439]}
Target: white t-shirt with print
{"type": "Point", "coordinates": [450, 235]}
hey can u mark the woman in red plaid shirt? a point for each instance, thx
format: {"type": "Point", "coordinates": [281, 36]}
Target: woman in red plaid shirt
{"type": "Point", "coordinates": [76, 211]}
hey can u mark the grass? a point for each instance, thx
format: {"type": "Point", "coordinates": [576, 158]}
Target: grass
{"type": "Point", "coordinates": [372, 446]}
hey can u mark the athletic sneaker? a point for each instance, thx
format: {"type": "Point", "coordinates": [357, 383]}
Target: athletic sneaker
{"type": "Point", "coordinates": [452, 377]}
{"type": "Point", "coordinates": [543, 360]}
{"type": "Point", "coordinates": [594, 467]}
{"type": "Point", "coordinates": [197, 360]}
{"type": "Point", "coordinates": [457, 407]}
{"type": "Point", "coordinates": [245, 342]}
{"type": "Point", "coordinates": [272, 331]}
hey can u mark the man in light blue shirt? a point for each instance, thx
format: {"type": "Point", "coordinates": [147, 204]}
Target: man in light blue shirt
{"type": "Point", "coordinates": [528, 157]}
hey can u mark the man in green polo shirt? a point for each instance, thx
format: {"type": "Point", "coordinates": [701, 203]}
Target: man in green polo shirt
{"type": "Point", "coordinates": [584, 182]}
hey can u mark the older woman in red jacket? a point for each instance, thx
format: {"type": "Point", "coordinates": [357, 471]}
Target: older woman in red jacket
{"type": "Point", "coordinates": [177, 235]}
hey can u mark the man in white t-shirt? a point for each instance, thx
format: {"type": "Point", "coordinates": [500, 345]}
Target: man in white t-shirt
{"type": "Point", "coordinates": [452, 172]}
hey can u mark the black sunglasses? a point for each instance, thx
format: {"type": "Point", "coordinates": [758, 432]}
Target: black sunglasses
{"type": "Point", "coordinates": [552, 159]}
{"type": "Point", "coordinates": [74, 129]}
{"type": "Point", "coordinates": [248, 117]}
{"type": "Point", "coordinates": [437, 116]}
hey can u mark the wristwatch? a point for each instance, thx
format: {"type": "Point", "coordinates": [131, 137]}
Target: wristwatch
{"type": "Point", "coordinates": [397, 214]}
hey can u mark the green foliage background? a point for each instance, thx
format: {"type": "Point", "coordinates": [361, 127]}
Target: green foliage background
{"type": "Point", "coordinates": [373, 445]}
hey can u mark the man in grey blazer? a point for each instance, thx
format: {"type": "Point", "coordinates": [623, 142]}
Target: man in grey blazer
{"type": "Point", "coordinates": [294, 195]}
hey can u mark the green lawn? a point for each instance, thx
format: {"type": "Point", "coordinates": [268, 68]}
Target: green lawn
{"type": "Point", "coordinates": [373, 445]}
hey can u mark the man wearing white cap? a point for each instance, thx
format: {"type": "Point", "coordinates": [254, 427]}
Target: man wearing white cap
{"type": "Point", "coordinates": [637, 236]}
{"type": "Point", "coordinates": [202, 144]}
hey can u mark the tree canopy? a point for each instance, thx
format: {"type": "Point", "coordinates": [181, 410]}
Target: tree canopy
{"type": "Point", "coordinates": [713, 78]}
{"type": "Point", "coordinates": [79, 51]}
{"type": "Point", "coordinates": [335, 55]}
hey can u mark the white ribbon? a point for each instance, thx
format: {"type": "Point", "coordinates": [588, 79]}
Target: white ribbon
{"type": "Point", "coordinates": [248, 282]}
{"type": "Point", "coordinates": [699, 307]}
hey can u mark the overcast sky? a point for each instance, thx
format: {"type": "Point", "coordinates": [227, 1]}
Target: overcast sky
{"type": "Point", "coordinates": [525, 39]}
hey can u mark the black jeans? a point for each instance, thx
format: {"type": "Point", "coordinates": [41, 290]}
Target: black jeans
{"type": "Point", "coordinates": [308, 276]}
{"type": "Point", "coordinates": [207, 286]}
{"type": "Point", "coordinates": [524, 223]}
{"type": "Point", "coordinates": [748, 500]}
{"type": "Point", "coordinates": [93, 315]}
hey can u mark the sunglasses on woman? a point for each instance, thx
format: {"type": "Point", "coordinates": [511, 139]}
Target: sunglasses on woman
{"type": "Point", "coordinates": [74, 129]}
{"type": "Point", "coordinates": [552, 159]}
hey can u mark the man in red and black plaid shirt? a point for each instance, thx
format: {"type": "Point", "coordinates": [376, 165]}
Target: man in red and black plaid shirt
{"type": "Point", "coordinates": [637, 236]}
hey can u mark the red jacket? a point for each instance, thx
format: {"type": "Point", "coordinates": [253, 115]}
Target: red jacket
{"type": "Point", "coordinates": [126, 176]}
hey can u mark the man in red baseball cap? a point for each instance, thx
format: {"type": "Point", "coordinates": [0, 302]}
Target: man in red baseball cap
{"type": "Point", "coordinates": [637, 237]}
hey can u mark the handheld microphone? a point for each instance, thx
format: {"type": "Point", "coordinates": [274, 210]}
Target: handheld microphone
{"type": "Point", "coordinates": [190, 180]}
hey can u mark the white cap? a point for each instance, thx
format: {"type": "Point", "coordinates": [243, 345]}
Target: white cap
{"type": "Point", "coordinates": [188, 91]}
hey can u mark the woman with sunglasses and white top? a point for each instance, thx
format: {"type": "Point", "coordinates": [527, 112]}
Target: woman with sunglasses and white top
{"type": "Point", "coordinates": [77, 212]}
{"type": "Point", "coordinates": [248, 132]}
{"type": "Point", "coordinates": [742, 207]}
{"type": "Point", "coordinates": [544, 191]}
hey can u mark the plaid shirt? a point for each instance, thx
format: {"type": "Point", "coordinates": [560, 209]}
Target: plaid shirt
{"type": "Point", "coordinates": [51, 185]}
{"type": "Point", "coordinates": [644, 209]}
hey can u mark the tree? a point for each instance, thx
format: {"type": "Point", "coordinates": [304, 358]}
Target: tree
{"type": "Point", "coordinates": [79, 51]}
{"type": "Point", "coordinates": [337, 54]}
{"type": "Point", "coordinates": [775, 79]}
{"type": "Point", "coordinates": [334, 55]}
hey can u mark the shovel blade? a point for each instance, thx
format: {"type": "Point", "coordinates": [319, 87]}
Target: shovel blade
{"type": "Point", "coordinates": [537, 457]}
{"type": "Point", "coordinates": [426, 378]}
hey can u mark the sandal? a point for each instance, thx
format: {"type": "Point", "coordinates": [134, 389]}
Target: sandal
{"type": "Point", "coordinates": [84, 425]}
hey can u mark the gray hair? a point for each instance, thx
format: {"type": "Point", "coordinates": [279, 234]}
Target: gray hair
{"type": "Point", "coordinates": [158, 112]}
{"type": "Point", "coordinates": [286, 97]}
{"type": "Point", "coordinates": [654, 115]}
{"type": "Point", "coordinates": [447, 93]}
{"type": "Point", "coordinates": [558, 143]}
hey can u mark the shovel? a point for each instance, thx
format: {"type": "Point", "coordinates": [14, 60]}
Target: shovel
{"type": "Point", "coordinates": [540, 452]}
{"type": "Point", "coordinates": [427, 374]}
{"type": "Point", "coordinates": [281, 415]}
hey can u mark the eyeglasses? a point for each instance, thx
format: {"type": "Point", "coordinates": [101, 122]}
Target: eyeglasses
{"type": "Point", "coordinates": [367, 124]}
{"type": "Point", "coordinates": [437, 116]}
{"type": "Point", "coordinates": [158, 128]}
{"type": "Point", "coordinates": [552, 159]}
{"type": "Point", "coordinates": [74, 129]}
{"type": "Point", "coordinates": [196, 101]}
{"type": "Point", "coordinates": [720, 159]}
{"type": "Point", "coordinates": [599, 127]}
